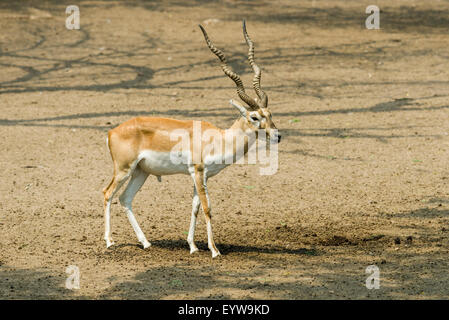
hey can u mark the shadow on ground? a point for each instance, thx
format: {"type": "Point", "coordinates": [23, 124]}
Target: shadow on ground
{"type": "Point", "coordinates": [32, 284]}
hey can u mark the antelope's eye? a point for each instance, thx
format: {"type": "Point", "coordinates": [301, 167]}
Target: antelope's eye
{"type": "Point", "coordinates": [254, 118]}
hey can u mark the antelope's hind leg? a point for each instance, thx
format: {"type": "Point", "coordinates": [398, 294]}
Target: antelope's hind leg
{"type": "Point", "coordinates": [116, 183]}
{"type": "Point", "coordinates": [195, 207]}
{"type": "Point", "coordinates": [126, 198]}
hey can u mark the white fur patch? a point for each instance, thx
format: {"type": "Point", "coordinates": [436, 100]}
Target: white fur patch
{"type": "Point", "coordinates": [161, 163]}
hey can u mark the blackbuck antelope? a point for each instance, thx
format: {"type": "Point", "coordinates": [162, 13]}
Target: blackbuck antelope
{"type": "Point", "coordinates": [145, 145]}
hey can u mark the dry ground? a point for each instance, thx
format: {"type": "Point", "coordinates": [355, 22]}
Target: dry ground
{"type": "Point", "coordinates": [363, 165]}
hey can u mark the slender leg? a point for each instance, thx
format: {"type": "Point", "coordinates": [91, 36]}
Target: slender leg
{"type": "Point", "coordinates": [117, 182]}
{"type": "Point", "coordinates": [137, 180]}
{"type": "Point", "coordinates": [200, 184]}
{"type": "Point", "coordinates": [107, 224]}
{"type": "Point", "coordinates": [195, 207]}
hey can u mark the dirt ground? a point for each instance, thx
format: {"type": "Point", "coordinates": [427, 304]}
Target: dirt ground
{"type": "Point", "coordinates": [363, 165]}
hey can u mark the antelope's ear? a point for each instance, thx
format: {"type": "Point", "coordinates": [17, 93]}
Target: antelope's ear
{"type": "Point", "coordinates": [241, 109]}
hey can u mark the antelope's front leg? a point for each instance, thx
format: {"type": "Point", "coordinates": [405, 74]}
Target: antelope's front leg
{"type": "Point", "coordinates": [200, 184]}
{"type": "Point", "coordinates": [195, 208]}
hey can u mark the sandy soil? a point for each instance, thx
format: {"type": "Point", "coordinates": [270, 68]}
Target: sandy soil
{"type": "Point", "coordinates": [363, 165]}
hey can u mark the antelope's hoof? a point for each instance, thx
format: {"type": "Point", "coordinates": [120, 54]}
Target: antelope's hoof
{"type": "Point", "coordinates": [109, 243]}
{"type": "Point", "coordinates": [193, 250]}
{"type": "Point", "coordinates": [215, 254]}
{"type": "Point", "coordinates": [146, 244]}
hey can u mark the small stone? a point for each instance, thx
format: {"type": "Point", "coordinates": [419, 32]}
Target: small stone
{"type": "Point", "coordinates": [211, 21]}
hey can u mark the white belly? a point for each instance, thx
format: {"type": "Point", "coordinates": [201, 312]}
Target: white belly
{"type": "Point", "coordinates": [164, 163]}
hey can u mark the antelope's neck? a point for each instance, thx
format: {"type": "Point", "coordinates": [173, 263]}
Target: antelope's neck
{"type": "Point", "coordinates": [244, 137]}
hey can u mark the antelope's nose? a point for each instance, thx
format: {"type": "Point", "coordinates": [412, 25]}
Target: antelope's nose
{"type": "Point", "coordinates": [279, 138]}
